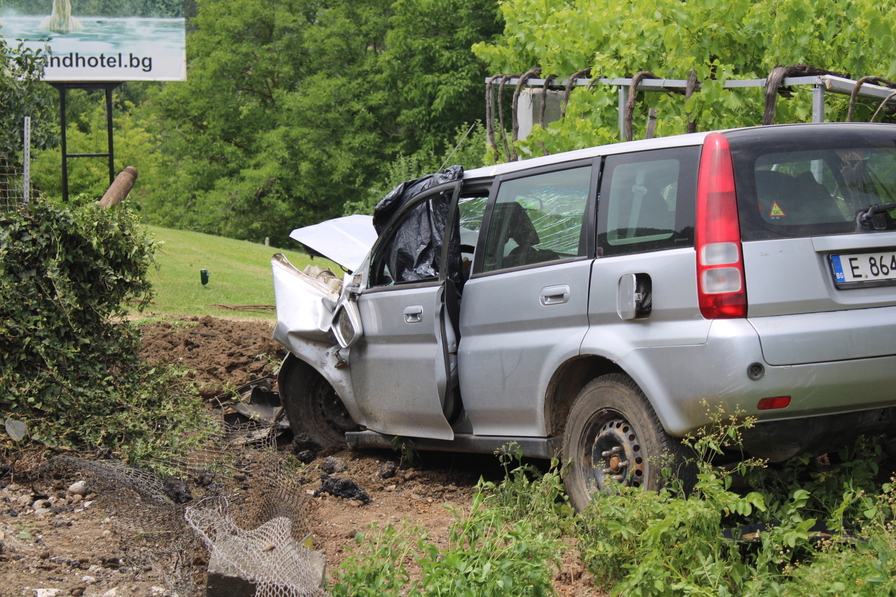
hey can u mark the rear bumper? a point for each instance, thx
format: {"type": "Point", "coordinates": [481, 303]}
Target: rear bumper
{"type": "Point", "coordinates": [686, 383]}
{"type": "Point", "coordinates": [829, 336]}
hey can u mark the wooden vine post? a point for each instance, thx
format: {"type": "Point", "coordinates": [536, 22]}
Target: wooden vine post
{"type": "Point", "coordinates": [120, 188]}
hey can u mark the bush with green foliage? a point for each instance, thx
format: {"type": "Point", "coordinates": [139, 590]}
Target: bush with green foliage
{"type": "Point", "coordinates": [742, 39]}
{"type": "Point", "coordinates": [749, 530]}
{"type": "Point", "coordinates": [23, 93]}
{"type": "Point", "coordinates": [70, 369]}
{"type": "Point", "coordinates": [468, 150]}
{"type": "Point", "coordinates": [744, 530]}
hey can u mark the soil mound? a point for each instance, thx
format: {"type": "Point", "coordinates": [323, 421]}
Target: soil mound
{"type": "Point", "coordinates": [221, 354]}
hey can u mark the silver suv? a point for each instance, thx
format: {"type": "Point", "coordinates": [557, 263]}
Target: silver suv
{"type": "Point", "coordinates": [596, 304]}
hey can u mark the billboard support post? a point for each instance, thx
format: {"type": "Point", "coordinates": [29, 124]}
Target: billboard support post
{"type": "Point", "coordinates": [110, 153]}
{"type": "Point", "coordinates": [99, 48]}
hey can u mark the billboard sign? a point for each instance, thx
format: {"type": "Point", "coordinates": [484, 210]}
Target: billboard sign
{"type": "Point", "coordinates": [109, 40]}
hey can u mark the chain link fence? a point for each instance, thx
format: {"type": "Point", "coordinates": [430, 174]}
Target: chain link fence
{"type": "Point", "coordinates": [233, 497]}
{"type": "Point", "coordinates": [12, 193]}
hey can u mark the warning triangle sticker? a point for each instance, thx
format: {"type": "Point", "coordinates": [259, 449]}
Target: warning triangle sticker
{"type": "Point", "coordinates": [776, 211]}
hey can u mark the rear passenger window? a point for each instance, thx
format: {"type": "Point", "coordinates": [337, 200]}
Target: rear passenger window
{"type": "Point", "coordinates": [538, 219]}
{"type": "Point", "coordinates": [646, 201]}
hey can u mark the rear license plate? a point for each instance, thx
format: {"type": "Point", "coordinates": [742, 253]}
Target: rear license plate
{"type": "Point", "coordinates": [852, 270]}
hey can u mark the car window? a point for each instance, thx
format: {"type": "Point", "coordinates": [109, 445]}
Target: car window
{"type": "Point", "coordinates": [790, 190]}
{"type": "Point", "coordinates": [792, 185]}
{"type": "Point", "coordinates": [413, 249]}
{"type": "Point", "coordinates": [796, 190]}
{"type": "Point", "coordinates": [538, 219]}
{"type": "Point", "coordinates": [647, 201]}
{"type": "Point", "coordinates": [470, 211]}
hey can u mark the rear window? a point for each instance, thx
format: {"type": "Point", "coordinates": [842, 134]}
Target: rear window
{"type": "Point", "coordinates": [810, 181]}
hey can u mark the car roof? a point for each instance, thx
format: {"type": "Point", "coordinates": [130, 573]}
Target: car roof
{"type": "Point", "coordinates": [590, 152]}
{"type": "Point", "coordinates": [643, 145]}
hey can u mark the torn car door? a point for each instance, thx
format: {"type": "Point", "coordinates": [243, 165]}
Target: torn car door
{"type": "Point", "coordinates": [399, 367]}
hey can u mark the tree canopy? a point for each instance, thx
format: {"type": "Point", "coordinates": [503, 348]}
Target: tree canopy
{"type": "Point", "coordinates": [22, 93]}
{"type": "Point", "coordinates": [718, 40]}
{"type": "Point", "coordinates": [293, 108]}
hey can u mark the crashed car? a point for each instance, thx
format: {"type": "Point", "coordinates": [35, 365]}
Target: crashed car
{"type": "Point", "coordinates": [600, 304]}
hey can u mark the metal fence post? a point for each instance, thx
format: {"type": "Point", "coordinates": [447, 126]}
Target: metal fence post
{"type": "Point", "coordinates": [26, 159]}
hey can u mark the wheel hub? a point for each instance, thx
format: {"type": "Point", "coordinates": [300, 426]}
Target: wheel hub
{"type": "Point", "coordinates": [616, 454]}
{"type": "Point", "coordinates": [333, 411]}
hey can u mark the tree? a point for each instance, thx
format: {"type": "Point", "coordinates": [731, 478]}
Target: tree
{"type": "Point", "coordinates": [293, 108]}
{"type": "Point", "coordinates": [23, 94]}
{"type": "Point", "coordinates": [437, 79]}
{"type": "Point", "coordinates": [720, 41]}
{"type": "Point", "coordinates": [134, 146]}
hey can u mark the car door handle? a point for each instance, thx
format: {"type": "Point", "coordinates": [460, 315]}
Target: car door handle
{"type": "Point", "coordinates": [554, 295]}
{"type": "Point", "coordinates": [413, 314]}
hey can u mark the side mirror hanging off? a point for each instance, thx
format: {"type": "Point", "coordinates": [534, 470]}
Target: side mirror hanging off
{"type": "Point", "coordinates": [346, 322]}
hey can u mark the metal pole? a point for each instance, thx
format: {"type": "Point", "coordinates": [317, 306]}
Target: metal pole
{"type": "Point", "coordinates": [818, 103]}
{"type": "Point", "coordinates": [623, 99]}
{"type": "Point", "coordinates": [109, 133]}
{"type": "Point", "coordinates": [26, 175]}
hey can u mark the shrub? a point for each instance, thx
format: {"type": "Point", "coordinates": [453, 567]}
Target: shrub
{"type": "Point", "coordinates": [748, 530]}
{"type": "Point", "coordinates": [70, 365]}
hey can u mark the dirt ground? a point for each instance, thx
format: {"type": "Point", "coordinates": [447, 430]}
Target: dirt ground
{"type": "Point", "coordinates": [119, 533]}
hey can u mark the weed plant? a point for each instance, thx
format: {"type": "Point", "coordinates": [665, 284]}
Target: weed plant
{"type": "Point", "coordinates": [744, 530]}
{"type": "Point", "coordinates": [507, 544]}
{"type": "Point", "coordinates": [748, 529]}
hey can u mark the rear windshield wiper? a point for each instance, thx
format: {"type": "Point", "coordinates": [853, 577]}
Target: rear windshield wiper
{"type": "Point", "coordinates": [875, 217]}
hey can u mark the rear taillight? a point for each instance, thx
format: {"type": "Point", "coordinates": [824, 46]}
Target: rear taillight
{"type": "Point", "coordinates": [720, 267]}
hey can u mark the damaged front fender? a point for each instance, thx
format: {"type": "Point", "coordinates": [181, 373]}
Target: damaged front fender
{"type": "Point", "coordinates": [306, 301]}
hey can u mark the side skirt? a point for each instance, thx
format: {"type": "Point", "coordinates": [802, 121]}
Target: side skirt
{"type": "Point", "coordinates": [534, 447]}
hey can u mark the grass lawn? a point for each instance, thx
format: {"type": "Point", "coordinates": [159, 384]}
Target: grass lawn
{"type": "Point", "coordinates": [239, 274]}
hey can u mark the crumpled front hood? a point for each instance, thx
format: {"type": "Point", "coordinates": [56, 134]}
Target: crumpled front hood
{"type": "Point", "coordinates": [345, 240]}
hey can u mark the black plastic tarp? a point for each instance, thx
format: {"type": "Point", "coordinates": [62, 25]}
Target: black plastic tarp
{"type": "Point", "coordinates": [415, 251]}
{"type": "Point", "coordinates": [406, 191]}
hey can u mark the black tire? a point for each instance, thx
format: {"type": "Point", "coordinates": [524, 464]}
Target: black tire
{"type": "Point", "coordinates": [613, 432]}
{"type": "Point", "coordinates": [312, 405]}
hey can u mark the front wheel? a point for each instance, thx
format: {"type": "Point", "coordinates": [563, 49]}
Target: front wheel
{"type": "Point", "coordinates": [613, 436]}
{"type": "Point", "coordinates": [313, 406]}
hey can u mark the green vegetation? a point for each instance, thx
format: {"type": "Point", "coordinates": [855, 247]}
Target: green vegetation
{"type": "Point", "coordinates": [293, 108]}
{"type": "Point", "coordinates": [801, 530]}
{"type": "Point", "coordinates": [239, 273]}
{"type": "Point", "coordinates": [745, 530]}
{"type": "Point", "coordinates": [71, 373]}
{"type": "Point", "coordinates": [507, 544]}
{"type": "Point", "coordinates": [89, 177]}
{"type": "Point", "coordinates": [22, 93]}
{"type": "Point", "coordinates": [741, 39]}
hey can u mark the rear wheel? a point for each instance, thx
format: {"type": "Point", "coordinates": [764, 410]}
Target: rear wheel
{"type": "Point", "coordinates": [312, 405]}
{"type": "Point", "coordinates": [613, 436]}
